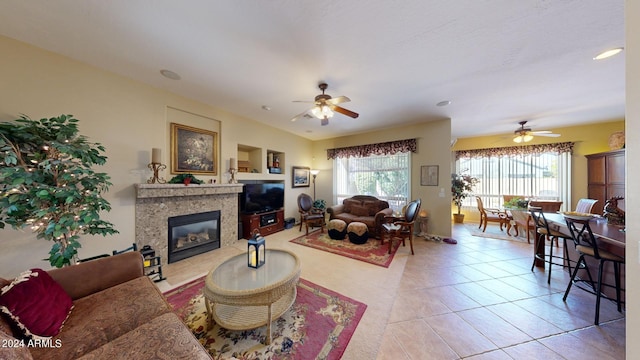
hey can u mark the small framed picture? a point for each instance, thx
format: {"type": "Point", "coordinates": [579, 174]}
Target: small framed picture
{"type": "Point", "coordinates": [300, 176]}
{"type": "Point", "coordinates": [429, 175]}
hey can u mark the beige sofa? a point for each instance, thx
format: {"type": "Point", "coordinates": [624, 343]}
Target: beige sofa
{"type": "Point", "coordinates": [118, 313]}
{"type": "Point", "coordinates": [362, 208]}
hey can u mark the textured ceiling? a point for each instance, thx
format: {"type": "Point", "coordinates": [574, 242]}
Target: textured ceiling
{"type": "Point", "coordinates": [498, 61]}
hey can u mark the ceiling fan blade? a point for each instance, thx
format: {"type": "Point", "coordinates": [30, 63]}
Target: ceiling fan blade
{"type": "Point", "coordinates": [545, 134]}
{"type": "Point", "coordinates": [301, 115]}
{"type": "Point", "coordinates": [303, 101]}
{"type": "Point", "coordinates": [344, 111]}
{"type": "Point", "coordinates": [539, 132]}
{"type": "Point", "coordinates": [338, 100]}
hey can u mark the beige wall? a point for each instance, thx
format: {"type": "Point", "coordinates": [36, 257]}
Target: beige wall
{"type": "Point", "coordinates": [128, 118]}
{"type": "Point", "coordinates": [632, 54]}
{"type": "Point", "coordinates": [589, 139]}
{"type": "Point", "coordinates": [433, 136]}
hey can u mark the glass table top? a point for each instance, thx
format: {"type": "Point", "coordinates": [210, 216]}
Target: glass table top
{"type": "Point", "coordinates": [234, 274]}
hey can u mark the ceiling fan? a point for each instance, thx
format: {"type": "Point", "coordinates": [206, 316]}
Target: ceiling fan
{"type": "Point", "coordinates": [325, 106]}
{"type": "Point", "coordinates": [524, 134]}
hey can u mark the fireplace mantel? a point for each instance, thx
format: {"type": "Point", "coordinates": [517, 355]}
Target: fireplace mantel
{"type": "Point", "coordinates": [171, 190]}
{"type": "Point", "coordinates": [155, 203]}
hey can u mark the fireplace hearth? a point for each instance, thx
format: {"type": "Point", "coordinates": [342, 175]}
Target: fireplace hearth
{"type": "Point", "coordinates": [193, 234]}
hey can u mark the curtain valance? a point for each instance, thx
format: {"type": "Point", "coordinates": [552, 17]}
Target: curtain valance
{"type": "Point", "coordinates": [386, 148]}
{"type": "Point", "coordinates": [558, 148]}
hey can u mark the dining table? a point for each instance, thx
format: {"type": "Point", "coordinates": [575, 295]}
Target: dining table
{"type": "Point", "coordinates": [609, 236]}
{"type": "Point", "coordinates": [609, 233]}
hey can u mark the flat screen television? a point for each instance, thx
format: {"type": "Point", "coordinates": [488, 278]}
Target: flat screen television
{"type": "Point", "coordinates": [261, 196]}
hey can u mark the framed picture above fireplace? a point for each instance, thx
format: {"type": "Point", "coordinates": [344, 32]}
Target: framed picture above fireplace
{"type": "Point", "coordinates": [193, 150]}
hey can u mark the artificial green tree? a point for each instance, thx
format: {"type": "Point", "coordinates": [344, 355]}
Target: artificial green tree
{"type": "Point", "coordinates": [461, 188]}
{"type": "Point", "coordinates": [48, 185]}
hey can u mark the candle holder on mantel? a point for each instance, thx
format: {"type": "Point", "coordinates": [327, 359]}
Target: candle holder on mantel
{"type": "Point", "coordinates": [156, 167]}
{"type": "Point", "coordinates": [232, 179]}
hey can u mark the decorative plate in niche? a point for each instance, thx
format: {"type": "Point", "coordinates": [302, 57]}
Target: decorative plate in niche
{"type": "Point", "coordinates": [616, 140]}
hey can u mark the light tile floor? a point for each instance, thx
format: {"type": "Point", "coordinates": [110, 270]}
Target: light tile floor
{"type": "Point", "coordinates": [477, 299]}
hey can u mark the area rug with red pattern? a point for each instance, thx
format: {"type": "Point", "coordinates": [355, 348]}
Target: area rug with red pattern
{"type": "Point", "coordinates": [371, 251]}
{"type": "Point", "coordinates": [318, 325]}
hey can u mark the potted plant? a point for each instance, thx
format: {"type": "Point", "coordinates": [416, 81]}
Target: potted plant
{"type": "Point", "coordinates": [461, 187]}
{"type": "Point", "coordinates": [517, 204]}
{"type": "Point", "coordinates": [47, 183]}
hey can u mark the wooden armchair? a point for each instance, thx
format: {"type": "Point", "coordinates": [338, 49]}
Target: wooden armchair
{"type": "Point", "coordinates": [308, 214]}
{"type": "Point", "coordinates": [488, 215]}
{"type": "Point", "coordinates": [401, 227]}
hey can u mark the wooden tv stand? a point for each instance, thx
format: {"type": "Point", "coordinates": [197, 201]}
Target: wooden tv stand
{"type": "Point", "coordinates": [267, 223]}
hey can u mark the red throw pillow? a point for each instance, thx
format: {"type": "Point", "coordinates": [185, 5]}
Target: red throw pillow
{"type": "Point", "coordinates": [36, 304]}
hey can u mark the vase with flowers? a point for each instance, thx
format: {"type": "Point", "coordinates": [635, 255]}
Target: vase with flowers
{"type": "Point", "coordinates": [461, 187]}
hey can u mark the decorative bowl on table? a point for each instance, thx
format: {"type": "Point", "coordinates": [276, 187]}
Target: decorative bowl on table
{"type": "Point", "coordinates": [578, 215]}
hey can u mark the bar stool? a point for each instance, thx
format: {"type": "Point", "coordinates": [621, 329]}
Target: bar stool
{"type": "Point", "coordinates": [587, 245]}
{"type": "Point", "coordinates": [543, 232]}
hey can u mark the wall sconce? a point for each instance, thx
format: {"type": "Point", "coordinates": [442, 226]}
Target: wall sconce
{"type": "Point", "coordinates": [314, 173]}
{"type": "Point", "coordinates": [255, 250]}
{"type": "Point", "coordinates": [156, 166]}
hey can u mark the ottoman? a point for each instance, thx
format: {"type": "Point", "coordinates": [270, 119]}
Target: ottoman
{"type": "Point", "coordinates": [337, 229]}
{"type": "Point", "coordinates": [358, 232]}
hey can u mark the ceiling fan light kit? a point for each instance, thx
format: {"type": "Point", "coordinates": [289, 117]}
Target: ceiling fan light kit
{"type": "Point", "coordinates": [525, 134]}
{"type": "Point", "coordinates": [322, 112]}
{"type": "Point", "coordinates": [522, 138]}
{"type": "Point", "coordinates": [325, 107]}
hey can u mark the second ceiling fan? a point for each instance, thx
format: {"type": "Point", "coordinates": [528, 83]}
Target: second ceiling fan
{"type": "Point", "coordinates": [325, 106]}
{"type": "Point", "coordinates": [524, 134]}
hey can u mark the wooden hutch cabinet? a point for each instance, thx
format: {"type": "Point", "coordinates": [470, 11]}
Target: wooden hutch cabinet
{"type": "Point", "coordinates": [606, 173]}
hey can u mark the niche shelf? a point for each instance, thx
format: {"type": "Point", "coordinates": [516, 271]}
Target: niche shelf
{"type": "Point", "coordinates": [275, 162]}
{"type": "Point", "coordinates": [249, 159]}
{"type": "Point", "coordinates": [257, 160]}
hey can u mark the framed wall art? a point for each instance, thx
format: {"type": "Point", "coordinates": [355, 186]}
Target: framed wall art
{"type": "Point", "coordinates": [429, 175]}
{"type": "Point", "coordinates": [193, 150]}
{"type": "Point", "coordinates": [300, 176]}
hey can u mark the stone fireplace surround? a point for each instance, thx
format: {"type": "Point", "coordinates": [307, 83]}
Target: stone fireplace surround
{"type": "Point", "coordinates": [155, 203]}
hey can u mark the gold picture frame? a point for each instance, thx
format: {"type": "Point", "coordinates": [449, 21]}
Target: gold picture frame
{"type": "Point", "coordinates": [193, 150]}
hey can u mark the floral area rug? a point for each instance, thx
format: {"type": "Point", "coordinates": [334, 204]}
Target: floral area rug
{"type": "Point", "coordinates": [371, 251]}
{"type": "Point", "coordinates": [318, 325]}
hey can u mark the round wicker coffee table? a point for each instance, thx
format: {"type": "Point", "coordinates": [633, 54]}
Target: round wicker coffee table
{"type": "Point", "coordinates": [240, 298]}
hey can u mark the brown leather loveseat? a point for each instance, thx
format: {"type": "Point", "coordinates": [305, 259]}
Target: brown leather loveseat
{"type": "Point", "coordinates": [362, 208]}
{"type": "Point", "coordinates": [118, 313]}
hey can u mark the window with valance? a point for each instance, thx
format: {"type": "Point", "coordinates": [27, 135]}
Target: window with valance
{"type": "Point", "coordinates": [541, 171]}
{"type": "Point", "coordinates": [381, 170]}
{"type": "Point", "coordinates": [386, 148]}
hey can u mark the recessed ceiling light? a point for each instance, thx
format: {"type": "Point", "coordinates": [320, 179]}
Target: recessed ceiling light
{"type": "Point", "coordinates": [444, 103]}
{"type": "Point", "coordinates": [266, 107]}
{"type": "Point", "coordinates": [170, 74]}
{"type": "Point", "coordinates": [608, 53]}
